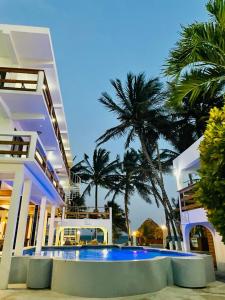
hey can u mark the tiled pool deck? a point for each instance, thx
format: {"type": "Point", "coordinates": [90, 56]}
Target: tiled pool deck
{"type": "Point", "coordinates": [214, 291]}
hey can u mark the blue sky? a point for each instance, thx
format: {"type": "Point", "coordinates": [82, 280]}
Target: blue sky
{"type": "Point", "coordinates": [96, 40]}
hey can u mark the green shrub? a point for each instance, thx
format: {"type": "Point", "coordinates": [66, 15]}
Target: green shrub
{"type": "Point", "coordinates": [211, 187]}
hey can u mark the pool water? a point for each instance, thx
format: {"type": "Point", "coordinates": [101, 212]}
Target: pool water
{"type": "Point", "coordinates": [106, 254]}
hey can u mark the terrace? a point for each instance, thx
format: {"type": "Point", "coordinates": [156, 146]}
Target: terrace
{"type": "Point", "coordinates": [23, 82]}
{"type": "Point", "coordinates": [75, 212]}
{"type": "Point", "coordinates": [26, 147]}
{"type": "Point", "coordinates": [187, 199]}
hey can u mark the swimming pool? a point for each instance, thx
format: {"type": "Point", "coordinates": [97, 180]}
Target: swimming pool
{"type": "Point", "coordinates": [112, 271]}
{"type": "Point", "coordinates": [106, 253]}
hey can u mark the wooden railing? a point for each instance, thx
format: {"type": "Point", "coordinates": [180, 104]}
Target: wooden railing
{"type": "Point", "coordinates": [32, 84]}
{"type": "Point", "coordinates": [75, 212]}
{"type": "Point", "coordinates": [18, 146]}
{"type": "Point", "coordinates": [187, 199]}
{"type": "Point", "coordinates": [48, 170]}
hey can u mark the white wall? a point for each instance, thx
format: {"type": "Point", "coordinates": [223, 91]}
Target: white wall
{"type": "Point", "coordinates": [194, 216]}
{"type": "Point", "coordinates": [185, 163]}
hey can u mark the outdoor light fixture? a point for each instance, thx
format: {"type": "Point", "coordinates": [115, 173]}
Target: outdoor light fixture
{"type": "Point", "coordinates": [163, 227]}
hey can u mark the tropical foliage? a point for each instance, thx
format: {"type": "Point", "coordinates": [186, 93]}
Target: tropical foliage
{"type": "Point", "coordinates": [101, 172]}
{"type": "Point", "coordinates": [139, 108]}
{"type": "Point", "coordinates": [197, 62]}
{"type": "Point", "coordinates": [197, 66]}
{"type": "Point", "coordinates": [129, 181]}
{"type": "Point", "coordinates": [211, 187]}
{"type": "Point", "coordinates": [189, 119]}
{"type": "Point", "coordinates": [118, 219]}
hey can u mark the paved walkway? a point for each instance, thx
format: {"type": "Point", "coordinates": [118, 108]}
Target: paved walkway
{"type": "Point", "coordinates": [215, 291]}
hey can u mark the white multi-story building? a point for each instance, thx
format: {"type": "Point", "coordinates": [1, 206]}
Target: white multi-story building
{"type": "Point", "coordinates": [35, 154]}
{"type": "Point", "coordinates": [198, 233]}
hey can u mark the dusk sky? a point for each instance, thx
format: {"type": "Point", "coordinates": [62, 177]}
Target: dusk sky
{"type": "Point", "coordinates": [98, 40]}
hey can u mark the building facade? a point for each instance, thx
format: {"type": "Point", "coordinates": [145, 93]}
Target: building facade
{"type": "Point", "coordinates": [35, 155]}
{"type": "Point", "coordinates": [198, 233]}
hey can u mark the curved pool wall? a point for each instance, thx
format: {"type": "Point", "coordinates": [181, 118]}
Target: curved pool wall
{"type": "Point", "coordinates": [99, 279]}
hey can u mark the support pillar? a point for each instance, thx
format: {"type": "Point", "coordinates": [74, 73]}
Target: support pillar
{"type": "Point", "coordinates": [10, 229]}
{"type": "Point", "coordinates": [23, 217]}
{"type": "Point", "coordinates": [105, 236]}
{"type": "Point", "coordinates": [57, 236]}
{"type": "Point", "coordinates": [34, 226]}
{"type": "Point", "coordinates": [51, 227]}
{"type": "Point", "coordinates": [62, 237]}
{"type": "Point", "coordinates": [45, 227]}
{"type": "Point", "coordinates": [40, 226]}
{"type": "Point", "coordinates": [186, 238]}
{"type": "Point", "coordinates": [110, 236]}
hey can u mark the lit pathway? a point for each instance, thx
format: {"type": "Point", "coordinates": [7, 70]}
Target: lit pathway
{"type": "Point", "coordinates": [214, 291]}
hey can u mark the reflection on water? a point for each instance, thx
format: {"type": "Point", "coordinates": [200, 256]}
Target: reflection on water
{"type": "Point", "coordinates": [107, 254]}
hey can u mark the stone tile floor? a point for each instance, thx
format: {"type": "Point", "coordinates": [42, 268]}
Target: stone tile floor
{"type": "Point", "coordinates": [214, 291]}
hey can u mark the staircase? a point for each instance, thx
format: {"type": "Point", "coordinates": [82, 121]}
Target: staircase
{"type": "Point", "coordinates": [74, 191]}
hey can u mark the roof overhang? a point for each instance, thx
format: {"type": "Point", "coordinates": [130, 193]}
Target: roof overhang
{"type": "Point", "coordinates": [31, 47]}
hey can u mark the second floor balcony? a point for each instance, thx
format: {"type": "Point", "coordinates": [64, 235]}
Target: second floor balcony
{"type": "Point", "coordinates": [26, 147]}
{"type": "Point", "coordinates": [83, 212]}
{"type": "Point", "coordinates": [187, 198]}
{"type": "Point", "coordinates": [26, 95]}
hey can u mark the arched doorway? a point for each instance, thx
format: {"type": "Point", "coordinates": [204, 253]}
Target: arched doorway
{"type": "Point", "coordinates": [201, 240]}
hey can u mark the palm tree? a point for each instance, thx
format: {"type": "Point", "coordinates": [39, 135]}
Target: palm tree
{"type": "Point", "coordinates": [197, 63]}
{"type": "Point", "coordinates": [163, 161]}
{"type": "Point", "coordinates": [118, 219]}
{"type": "Point", "coordinates": [100, 173]}
{"type": "Point", "coordinates": [189, 119]}
{"type": "Point", "coordinates": [139, 110]}
{"type": "Point", "coordinates": [130, 180]}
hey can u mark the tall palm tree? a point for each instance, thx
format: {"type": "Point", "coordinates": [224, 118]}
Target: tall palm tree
{"type": "Point", "coordinates": [139, 109]}
{"type": "Point", "coordinates": [118, 220]}
{"type": "Point", "coordinates": [163, 162]}
{"type": "Point", "coordinates": [130, 180]}
{"type": "Point", "coordinates": [189, 119]}
{"type": "Point", "coordinates": [197, 63]}
{"type": "Point", "coordinates": [100, 173]}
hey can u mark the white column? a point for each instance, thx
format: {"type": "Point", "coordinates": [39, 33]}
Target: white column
{"type": "Point", "coordinates": [105, 235]}
{"type": "Point", "coordinates": [57, 236]}
{"type": "Point", "coordinates": [165, 234]}
{"type": "Point", "coordinates": [40, 226]}
{"type": "Point", "coordinates": [45, 227]}
{"type": "Point", "coordinates": [110, 227]}
{"type": "Point", "coordinates": [63, 212]}
{"type": "Point", "coordinates": [110, 236]}
{"type": "Point", "coordinates": [29, 229]}
{"type": "Point", "coordinates": [23, 217]}
{"type": "Point", "coordinates": [186, 237]}
{"type": "Point", "coordinates": [62, 236]}
{"type": "Point", "coordinates": [51, 227]}
{"type": "Point", "coordinates": [10, 229]}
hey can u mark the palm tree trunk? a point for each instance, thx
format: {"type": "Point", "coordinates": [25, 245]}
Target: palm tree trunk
{"type": "Point", "coordinates": [96, 208]}
{"type": "Point", "coordinates": [96, 197]}
{"type": "Point", "coordinates": [168, 221]}
{"type": "Point", "coordinates": [161, 185]}
{"type": "Point", "coordinates": [158, 199]}
{"type": "Point", "coordinates": [168, 224]}
{"type": "Point", "coordinates": [126, 210]}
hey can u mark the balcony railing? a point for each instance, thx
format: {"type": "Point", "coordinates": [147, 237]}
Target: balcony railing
{"type": "Point", "coordinates": [26, 145]}
{"type": "Point", "coordinates": [79, 212]}
{"type": "Point", "coordinates": [187, 199]}
{"type": "Point", "coordinates": [33, 80]}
